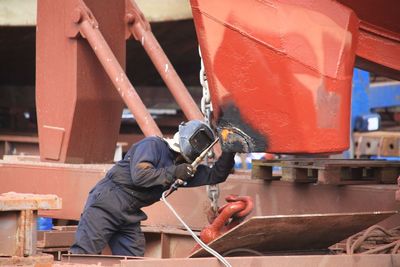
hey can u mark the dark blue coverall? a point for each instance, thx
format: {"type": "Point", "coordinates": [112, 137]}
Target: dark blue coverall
{"type": "Point", "coordinates": [113, 212]}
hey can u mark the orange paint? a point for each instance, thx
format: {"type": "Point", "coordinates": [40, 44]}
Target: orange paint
{"type": "Point", "coordinates": [287, 70]}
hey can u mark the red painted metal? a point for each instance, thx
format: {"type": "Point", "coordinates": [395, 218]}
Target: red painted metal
{"type": "Point", "coordinates": [230, 215]}
{"type": "Point", "coordinates": [378, 48]}
{"type": "Point", "coordinates": [72, 183]}
{"type": "Point", "coordinates": [89, 29]}
{"type": "Point", "coordinates": [78, 110]}
{"type": "Point", "coordinates": [249, 205]}
{"type": "Point", "coordinates": [281, 81]}
{"type": "Point", "coordinates": [379, 51]}
{"type": "Point", "coordinates": [139, 28]}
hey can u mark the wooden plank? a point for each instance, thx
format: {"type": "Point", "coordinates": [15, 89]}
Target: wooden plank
{"type": "Point", "coordinates": [263, 169]}
{"type": "Point", "coordinates": [293, 232]}
{"type": "Point", "coordinates": [261, 172]}
{"type": "Point", "coordinates": [329, 171]}
{"type": "Point", "coordinates": [299, 175]}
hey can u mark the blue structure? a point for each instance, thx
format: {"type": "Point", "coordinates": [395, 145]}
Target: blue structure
{"type": "Point", "coordinates": [366, 96]}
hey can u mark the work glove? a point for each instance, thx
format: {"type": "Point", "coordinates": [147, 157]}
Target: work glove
{"type": "Point", "coordinates": [184, 171]}
{"type": "Point", "coordinates": [227, 158]}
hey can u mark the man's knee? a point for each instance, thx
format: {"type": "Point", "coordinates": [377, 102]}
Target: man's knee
{"type": "Point", "coordinates": [93, 233]}
{"type": "Point", "coordinates": [129, 241]}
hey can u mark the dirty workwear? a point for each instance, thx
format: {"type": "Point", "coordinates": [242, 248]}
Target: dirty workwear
{"type": "Point", "coordinates": [112, 214]}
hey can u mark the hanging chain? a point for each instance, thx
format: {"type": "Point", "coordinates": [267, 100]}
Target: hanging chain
{"type": "Point", "coordinates": [206, 109]}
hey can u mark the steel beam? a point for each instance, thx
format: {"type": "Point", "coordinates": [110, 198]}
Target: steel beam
{"type": "Point", "coordinates": [387, 260]}
{"type": "Point", "coordinates": [18, 214]}
{"type": "Point", "coordinates": [89, 29]}
{"type": "Point", "coordinates": [77, 107]}
{"type": "Point", "coordinates": [161, 242]}
{"type": "Point", "coordinates": [72, 182]}
{"type": "Point", "coordinates": [139, 28]}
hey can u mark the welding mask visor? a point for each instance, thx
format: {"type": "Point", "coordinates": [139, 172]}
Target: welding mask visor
{"type": "Point", "coordinates": [194, 137]}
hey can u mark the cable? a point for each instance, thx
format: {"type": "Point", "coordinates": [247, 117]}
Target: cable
{"type": "Point", "coordinates": [198, 240]}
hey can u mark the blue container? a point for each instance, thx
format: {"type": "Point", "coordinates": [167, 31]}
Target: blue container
{"type": "Point", "coordinates": [44, 223]}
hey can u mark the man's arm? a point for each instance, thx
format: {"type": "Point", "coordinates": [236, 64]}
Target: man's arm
{"type": "Point", "coordinates": [216, 174]}
{"type": "Point", "coordinates": [142, 166]}
{"type": "Point", "coordinates": [144, 162]}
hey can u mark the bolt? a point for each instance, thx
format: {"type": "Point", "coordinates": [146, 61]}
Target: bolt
{"type": "Point", "coordinates": [129, 18]}
{"type": "Point", "coordinates": [77, 15]}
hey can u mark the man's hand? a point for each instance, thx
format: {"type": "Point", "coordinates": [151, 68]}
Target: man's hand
{"type": "Point", "coordinates": [184, 171]}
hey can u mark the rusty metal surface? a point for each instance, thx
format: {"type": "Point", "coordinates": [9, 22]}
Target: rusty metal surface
{"type": "Point", "coordinates": [72, 182]}
{"type": "Point", "coordinates": [277, 261]}
{"type": "Point", "coordinates": [42, 260]}
{"type": "Point", "coordinates": [103, 260]}
{"type": "Point", "coordinates": [161, 242]}
{"type": "Point", "coordinates": [18, 233]}
{"type": "Point", "coordinates": [279, 82]}
{"type": "Point", "coordinates": [8, 233]}
{"type": "Point", "coordinates": [293, 232]}
{"type": "Point", "coordinates": [167, 242]}
{"type": "Point", "coordinates": [19, 201]}
{"type": "Point", "coordinates": [77, 107]}
{"type": "Point", "coordinates": [18, 215]}
{"type": "Point", "coordinates": [55, 239]}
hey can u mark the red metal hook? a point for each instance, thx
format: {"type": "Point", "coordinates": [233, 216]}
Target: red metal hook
{"type": "Point", "coordinates": [230, 215]}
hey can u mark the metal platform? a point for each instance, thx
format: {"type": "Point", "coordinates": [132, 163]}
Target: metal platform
{"type": "Point", "coordinates": [306, 232]}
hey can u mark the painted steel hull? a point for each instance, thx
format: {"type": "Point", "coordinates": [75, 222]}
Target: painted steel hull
{"type": "Point", "coordinates": [279, 73]}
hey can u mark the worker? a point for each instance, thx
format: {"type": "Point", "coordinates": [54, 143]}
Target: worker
{"type": "Point", "coordinates": [112, 213]}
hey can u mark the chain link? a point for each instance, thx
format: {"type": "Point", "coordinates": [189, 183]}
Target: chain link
{"type": "Point", "coordinates": [206, 108]}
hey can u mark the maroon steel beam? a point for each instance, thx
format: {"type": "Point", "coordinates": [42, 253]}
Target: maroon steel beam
{"type": "Point", "coordinates": [89, 29]}
{"type": "Point", "coordinates": [383, 260]}
{"type": "Point", "coordinates": [139, 28]}
{"type": "Point", "coordinates": [72, 182]}
{"type": "Point", "coordinates": [79, 112]}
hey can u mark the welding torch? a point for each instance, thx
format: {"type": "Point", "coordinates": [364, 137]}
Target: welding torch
{"type": "Point", "coordinates": [194, 164]}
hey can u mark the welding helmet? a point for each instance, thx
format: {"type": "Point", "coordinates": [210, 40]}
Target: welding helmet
{"type": "Point", "coordinates": [194, 137]}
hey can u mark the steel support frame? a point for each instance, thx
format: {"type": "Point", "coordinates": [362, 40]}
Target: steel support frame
{"type": "Point", "coordinates": [18, 232]}
{"type": "Point", "coordinates": [88, 27]}
{"type": "Point", "coordinates": [57, 134]}
{"type": "Point", "coordinates": [366, 96]}
{"type": "Point", "coordinates": [77, 108]}
{"type": "Point", "coordinates": [161, 242]}
{"type": "Point", "coordinates": [18, 214]}
{"type": "Point", "coordinates": [138, 27]}
{"type": "Point", "coordinates": [378, 50]}
{"type": "Point", "coordinates": [72, 182]}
